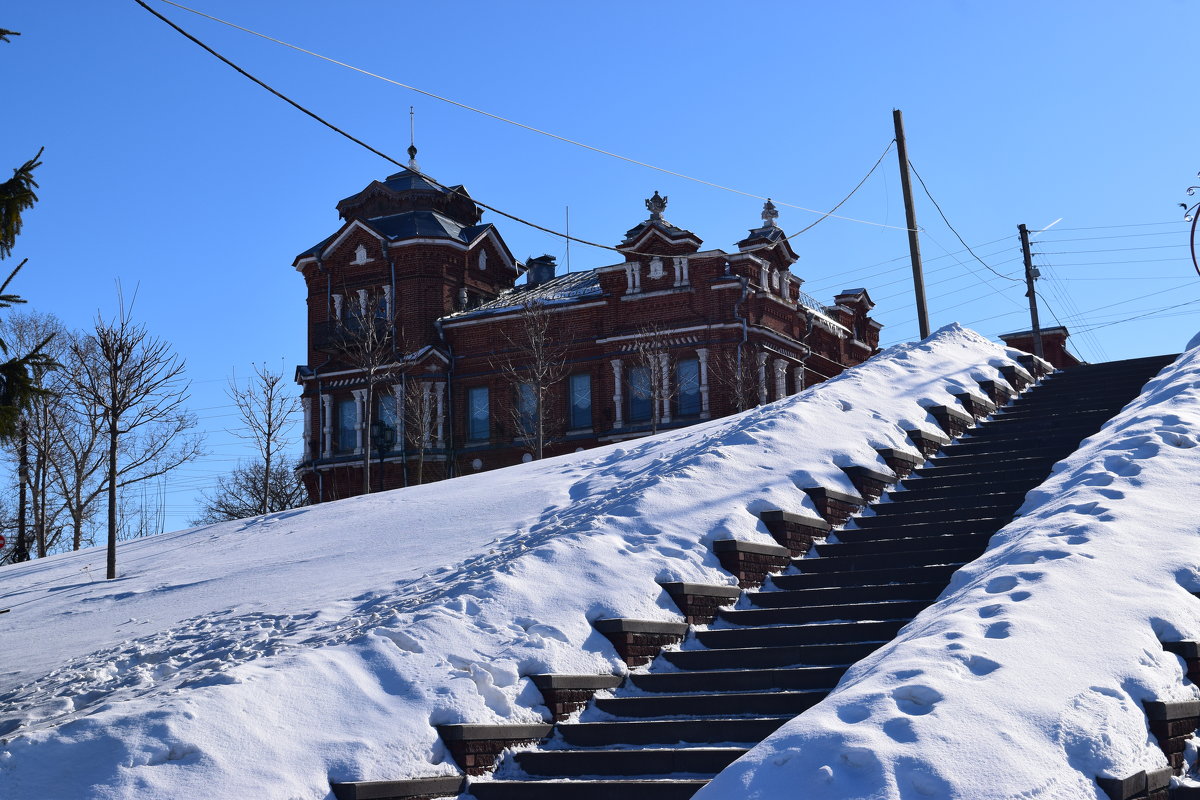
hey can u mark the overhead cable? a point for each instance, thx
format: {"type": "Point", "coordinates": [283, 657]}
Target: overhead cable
{"type": "Point", "coordinates": [506, 120]}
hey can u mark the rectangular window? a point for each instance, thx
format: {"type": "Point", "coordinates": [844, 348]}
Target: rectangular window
{"type": "Point", "coordinates": [639, 394]}
{"type": "Point", "coordinates": [384, 426]}
{"type": "Point", "coordinates": [581, 401]}
{"type": "Point", "coordinates": [347, 429]}
{"type": "Point", "coordinates": [527, 408]}
{"type": "Point", "coordinates": [478, 423]}
{"type": "Point", "coordinates": [687, 387]}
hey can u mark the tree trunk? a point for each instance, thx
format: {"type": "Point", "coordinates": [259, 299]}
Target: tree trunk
{"type": "Point", "coordinates": [21, 551]}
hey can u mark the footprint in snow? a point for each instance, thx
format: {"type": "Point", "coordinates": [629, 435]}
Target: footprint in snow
{"type": "Point", "coordinates": [998, 630]}
{"type": "Point", "coordinates": [998, 585]}
{"type": "Point", "coordinates": [916, 699]}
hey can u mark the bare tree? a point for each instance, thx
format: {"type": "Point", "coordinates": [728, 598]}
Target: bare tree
{"type": "Point", "coordinates": [239, 494]}
{"type": "Point", "coordinates": [367, 344]}
{"type": "Point", "coordinates": [136, 381]}
{"type": "Point", "coordinates": [655, 362]}
{"type": "Point", "coordinates": [267, 409]}
{"type": "Point", "coordinates": [733, 371]}
{"type": "Point", "coordinates": [533, 365]}
{"type": "Point", "coordinates": [419, 412]}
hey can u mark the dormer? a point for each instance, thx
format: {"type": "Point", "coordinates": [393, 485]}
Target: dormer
{"type": "Point", "coordinates": [769, 242]}
{"type": "Point", "coordinates": [656, 236]}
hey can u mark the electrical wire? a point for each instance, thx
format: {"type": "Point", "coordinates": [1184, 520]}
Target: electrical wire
{"type": "Point", "coordinates": [1154, 313]}
{"type": "Point", "coordinates": [951, 227]}
{"type": "Point", "coordinates": [490, 115]}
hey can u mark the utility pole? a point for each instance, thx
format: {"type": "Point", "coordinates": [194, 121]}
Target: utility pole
{"type": "Point", "coordinates": [1030, 292]}
{"type": "Point", "coordinates": [910, 216]}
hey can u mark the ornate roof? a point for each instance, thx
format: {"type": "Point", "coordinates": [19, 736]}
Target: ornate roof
{"type": "Point", "coordinates": [570, 288]}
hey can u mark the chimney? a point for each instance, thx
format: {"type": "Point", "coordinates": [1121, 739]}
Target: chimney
{"type": "Point", "coordinates": [540, 270]}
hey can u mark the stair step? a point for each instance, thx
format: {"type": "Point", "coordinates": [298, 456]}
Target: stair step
{"type": "Point", "coordinates": [665, 789]}
{"type": "Point", "coordinates": [809, 598]}
{"type": "Point", "coordinates": [878, 561]}
{"type": "Point", "coordinates": [725, 704]}
{"type": "Point", "coordinates": [916, 492]}
{"type": "Point", "coordinates": [748, 730]}
{"type": "Point", "coordinates": [849, 580]}
{"type": "Point", "coordinates": [883, 609]}
{"type": "Point", "coordinates": [917, 526]}
{"type": "Point", "coordinates": [813, 633]}
{"type": "Point", "coordinates": [900, 503]}
{"type": "Point", "coordinates": [645, 761]}
{"type": "Point", "coordinates": [738, 680]}
{"type": "Point", "coordinates": [738, 658]}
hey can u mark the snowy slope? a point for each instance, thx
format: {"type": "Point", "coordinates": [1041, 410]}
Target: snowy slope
{"type": "Point", "coordinates": [268, 656]}
{"type": "Point", "coordinates": [1026, 679]}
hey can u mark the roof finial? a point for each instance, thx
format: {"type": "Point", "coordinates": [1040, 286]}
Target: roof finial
{"type": "Point", "coordinates": [769, 214]}
{"type": "Point", "coordinates": [656, 205]}
{"type": "Point", "coordinates": [412, 141]}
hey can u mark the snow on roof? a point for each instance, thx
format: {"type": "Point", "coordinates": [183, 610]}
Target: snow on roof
{"type": "Point", "coordinates": [572, 287]}
{"type": "Point", "coordinates": [268, 656]}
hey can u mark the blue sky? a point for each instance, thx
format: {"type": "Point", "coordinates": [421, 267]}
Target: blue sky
{"type": "Point", "coordinates": [168, 171]}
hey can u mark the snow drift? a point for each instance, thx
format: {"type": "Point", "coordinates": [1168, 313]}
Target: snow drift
{"type": "Point", "coordinates": [269, 656]}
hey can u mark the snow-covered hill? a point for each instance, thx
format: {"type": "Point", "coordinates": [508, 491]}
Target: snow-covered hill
{"type": "Point", "coordinates": [269, 656]}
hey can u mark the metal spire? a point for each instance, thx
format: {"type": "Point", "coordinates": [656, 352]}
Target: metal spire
{"type": "Point", "coordinates": [412, 141]}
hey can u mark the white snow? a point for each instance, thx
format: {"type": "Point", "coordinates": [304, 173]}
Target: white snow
{"type": "Point", "coordinates": [269, 656]}
{"type": "Point", "coordinates": [1026, 679]}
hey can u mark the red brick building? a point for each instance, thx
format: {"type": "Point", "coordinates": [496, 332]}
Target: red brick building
{"type": "Point", "coordinates": [670, 335]}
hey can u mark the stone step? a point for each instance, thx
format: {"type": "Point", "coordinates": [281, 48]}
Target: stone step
{"type": "Point", "coordinates": [884, 561]}
{"type": "Point", "coordinates": [749, 730]}
{"type": "Point", "coordinates": [916, 526]}
{"type": "Point", "coordinates": [802, 579]}
{"type": "Point", "coordinates": [664, 789]}
{"type": "Point", "coordinates": [840, 595]}
{"type": "Point", "coordinates": [723, 705]}
{"type": "Point", "coordinates": [798, 615]}
{"type": "Point", "coordinates": [903, 502]}
{"type": "Point", "coordinates": [895, 545]}
{"type": "Point", "coordinates": [813, 633]}
{"type": "Point", "coordinates": [738, 658]}
{"type": "Point", "coordinates": [699, 761]}
{"type": "Point", "coordinates": [738, 680]}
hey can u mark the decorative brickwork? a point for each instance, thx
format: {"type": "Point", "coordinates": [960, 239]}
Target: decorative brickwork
{"type": "Point", "coordinates": [413, 789]}
{"type": "Point", "coordinates": [1190, 653]}
{"type": "Point", "coordinates": [954, 422]}
{"type": "Point", "coordinates": [976, 406]}
{"type": "Point", "coordinates": [1145, 785]}
{"type": "Point", "coordinates": [901, 462]}
{"type": "Point", "coordinates": [751, 562]}
{"type": "Point", "coordinates": [700, 602]}
{"type": "Point", "coordinates": [1000, 393]}
{"type": "Point", "coordinates": [1017, 378]}
{"type": "Point", "coordinates": [638, 641]}
{"type": "Point", "coordinates": [1034, 365]}
{"type": "Point", "coordinates": [835, 507]}
{"type": "Point", "coordinates": [928, 442]}
{"type": "Point", "coordinates": [793, 531]}
{"type": "Point", "coordinates": [870, 483]}
{"type": "Point", "coordinates": [566, 694]}
{"type": "Point", "coordinates": [1172, 724]}
{"type": "Point", "coordinates": [476, 748]}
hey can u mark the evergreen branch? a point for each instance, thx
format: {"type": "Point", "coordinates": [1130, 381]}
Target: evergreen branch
{"type": "Point", "coordinates": [16, 196]}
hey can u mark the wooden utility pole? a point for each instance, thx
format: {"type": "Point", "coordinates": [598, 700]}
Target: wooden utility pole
{"type": "Point", "coordinates": [1030, 292]}
{"type": "Point", "coordinates": [910, 216]}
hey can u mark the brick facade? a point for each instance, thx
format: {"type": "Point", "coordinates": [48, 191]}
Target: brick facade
{"type": "Point", "coordinates": [730, 330]}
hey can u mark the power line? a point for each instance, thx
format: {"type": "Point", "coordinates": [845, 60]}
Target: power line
{"type": "Point", "coordinates": [1154, 313]}
{"type": "Point", "coordinates": [951, 227]}
{"type": "Point", "coordinates": [1127, 225]}
{"type": "Point", "coordinates": [1116, 236]}
{"type": "Point", "coordinates": [484, 113]}
{"type": "Point", "coordinates": [1112, 249]}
